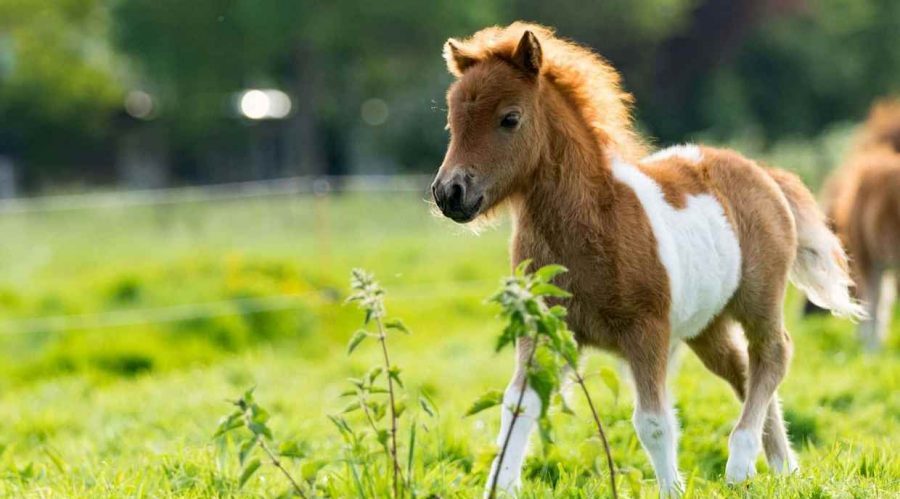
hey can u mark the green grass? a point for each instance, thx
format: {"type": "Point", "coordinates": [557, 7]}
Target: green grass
{"type": "Point", "coordinates": [130, 411]}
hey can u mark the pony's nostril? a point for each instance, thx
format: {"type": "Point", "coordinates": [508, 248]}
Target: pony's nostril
{"type": "Point", "coordinates": [456, 196]}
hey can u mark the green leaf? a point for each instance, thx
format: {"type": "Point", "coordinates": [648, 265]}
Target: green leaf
{"type": "Point", "coordinates": [548, 272]}
{"type": "Point", "coordinates": [247, 448]}
{"type": "Point", "coordinates": [374, 373]}
{"type": "Point", "coordinates": [378, 410]}
{"type": "Point", "coordinates": [258, 414]}
{"type": "Point", "coordinates": [508, 336]}
{"type": "Point", "coordinates": [559, 311]}
{"type": "Point", "coordinates": [291, 449]}
{"type": "Point", "coordinates": [426, 405]}
{"type": "Point", "coordinates": [394, 373]}
{"type": "Point", "coordinates": [547, 289]}
{"type": "Point", "coordinates": [231, 422]}
{"type": "Point", "coordinates": [249, 470]}
{"type": "Point", "coordinates": [354, 406]}
{"type": "Point", "coordinates": [396, 324]}
{"type": "Point", "coordinates": [522, 267]}
{"type": "Point", "coordinates": [486, 401]}
{"type": "Point", "coordinates": [412, 453]}
{"type": "Point", "coordinates": [341, 424]}
{"type": "Point", "coordinates": [260, 429]}
{"type": "Point", "coordinates": [543, 377]}
{"type": "Point", "coordinates": [546, 432]}
{"type": "Point", "coordinates": [382, 437]}
{"type": "Point", "coordinates": [611, 380]}
{"type": "Point", "coordinates": [248, 396]}
{"type": "Point", "coordinates": [356, 339]}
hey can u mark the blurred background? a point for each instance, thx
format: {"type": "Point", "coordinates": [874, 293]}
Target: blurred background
{"type": "Point", "coordinates": [154, 93]}
{"type": "Point", "coordinates": [185, 186]}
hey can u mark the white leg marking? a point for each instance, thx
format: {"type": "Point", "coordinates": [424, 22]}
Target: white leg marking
{"type": "Point", "coordinates": [658, 434]}
{"type": "Point", "coordinates": [509, 478]}
{"type": "Point", "coordinates": [782, 467]}
{"type": "Point", "coordinates": [886, 305]}
{"type": "Point", "coordinates": [743, 447]}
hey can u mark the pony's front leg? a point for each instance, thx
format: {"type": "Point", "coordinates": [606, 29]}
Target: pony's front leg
{"type": "Point", "coordinates": [512, 442]}
{"type": "Point", "coordinates": [646, 351]}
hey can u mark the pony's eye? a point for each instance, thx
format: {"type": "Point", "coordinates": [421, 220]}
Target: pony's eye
{"type": "Point", "coordinates": [510, 121]}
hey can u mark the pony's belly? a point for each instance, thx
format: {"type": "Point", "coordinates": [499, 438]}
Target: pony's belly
{"type": "Point", "coordinates": [704, 264]}
{"type": "Point", "coordinates": [696, 245]}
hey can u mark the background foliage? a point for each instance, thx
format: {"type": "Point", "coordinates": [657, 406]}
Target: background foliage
{"type": "Point", "coordinates": [761, 70]}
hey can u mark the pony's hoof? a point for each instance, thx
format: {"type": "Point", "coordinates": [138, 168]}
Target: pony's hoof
{"type": "Point", "coordinates": [781, 466]}
{"type": "Point", "coordinates": [743, 447]}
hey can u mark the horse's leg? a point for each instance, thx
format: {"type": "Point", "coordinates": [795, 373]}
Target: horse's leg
{"type": "Point", "coordinates": [769, 354]}
{"type": "Point", "coordinates": [870, 328]}
{"type": "Point", "coordinates": [514, 435]}
{"type": "Point", "coordinates": [646, 350]}
{"type": "Point", "coordinates": [723, 351]}
{"type": "Point", "coordinates": [889, 284]}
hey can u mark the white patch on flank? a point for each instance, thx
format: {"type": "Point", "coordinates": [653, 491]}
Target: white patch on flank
{"type": "Point", "coordinates": [658, 434]}
{"type": "Point", "coordinates": [509, 477]}
{"type": "Point", "coordinates": [743, 447]}
{"type": "Point", "coordinates": [697, 247]}
{"type": "Point", "coordinates": [689, 152]}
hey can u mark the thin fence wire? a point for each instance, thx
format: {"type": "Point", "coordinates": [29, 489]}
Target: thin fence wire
{"type": "Point", "coordinates": [221, 308]}
{"type": "Point", "coordinates": [221, 192]}
{"type": "Point", "coordinates": [302, 185]}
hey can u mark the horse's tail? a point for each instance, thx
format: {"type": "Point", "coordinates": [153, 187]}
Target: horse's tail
{"type": "Point", "coordinates": [821, 268]}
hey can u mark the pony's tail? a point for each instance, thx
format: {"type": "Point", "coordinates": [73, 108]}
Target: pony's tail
{"type": "Point", "coordinates": [821, 269]}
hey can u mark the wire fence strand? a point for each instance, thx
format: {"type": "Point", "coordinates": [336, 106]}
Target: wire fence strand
{"type": "Point", "coordinates": [301, 185]}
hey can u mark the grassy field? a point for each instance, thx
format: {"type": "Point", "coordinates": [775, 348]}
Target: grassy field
{"type": "Point", "coordinates": [125, 405]}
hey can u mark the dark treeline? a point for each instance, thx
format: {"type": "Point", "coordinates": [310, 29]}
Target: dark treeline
{"type": "Point", "coordinates": [147, 92]}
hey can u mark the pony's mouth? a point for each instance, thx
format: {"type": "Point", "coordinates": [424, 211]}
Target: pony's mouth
{"type": "Point", "coordinates": [465, 214]}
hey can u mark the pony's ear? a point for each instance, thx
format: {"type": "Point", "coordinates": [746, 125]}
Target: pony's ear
{"type": "Point", "coordinates": [528, 56]}
{"type": "Point", "coordinates": [458, 61]}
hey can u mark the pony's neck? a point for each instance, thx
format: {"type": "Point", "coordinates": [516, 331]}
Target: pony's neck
{"type": "Point", "coordinates": [574, 179]}
{"type": "Point", "coordinates": [572, 195]}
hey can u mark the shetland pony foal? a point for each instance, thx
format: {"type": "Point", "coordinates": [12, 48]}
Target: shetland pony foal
{"type": "Point", "coordinates": [863, 199]}
{"type": "Point", "coordinates": [683, 245]}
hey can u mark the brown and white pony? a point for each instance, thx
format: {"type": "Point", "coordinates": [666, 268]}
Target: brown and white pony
{"type": "Point", "coordinates": [863, 201]}
{"type": "Point", "coordinates": [688, 244]}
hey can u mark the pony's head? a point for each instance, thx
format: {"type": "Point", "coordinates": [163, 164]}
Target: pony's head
{"type": "Point", "coordinates": [494, 123]}
{"type": "Point", "coordinates": [518, 89]}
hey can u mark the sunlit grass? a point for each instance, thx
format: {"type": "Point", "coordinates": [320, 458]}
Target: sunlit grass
{"type": "Point", "coordinates": [130, 411]}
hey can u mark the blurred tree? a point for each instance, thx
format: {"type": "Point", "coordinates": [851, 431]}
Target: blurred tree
{"type": "Point", "coordinates": [57, 84]}
{"type": "Point", "coordinates": [331, 56]}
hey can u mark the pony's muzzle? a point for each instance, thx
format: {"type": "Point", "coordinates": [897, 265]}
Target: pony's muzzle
{"type": "Point", "coordinates": [456, 199]}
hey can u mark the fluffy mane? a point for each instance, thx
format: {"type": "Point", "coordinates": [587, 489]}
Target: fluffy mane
{"type": "Point", "coordinates": [589, 83]}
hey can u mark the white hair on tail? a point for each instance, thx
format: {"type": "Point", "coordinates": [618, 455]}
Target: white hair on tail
{"type": "Point", "coordinates": [820, 270]}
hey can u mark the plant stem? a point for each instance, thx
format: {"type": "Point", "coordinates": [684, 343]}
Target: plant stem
{"type": "Point", "coordinates": [272, 456]}
{"type": "Point", "coordinates": [512, 422]}
{"type": "Point", "coordinates": [277, 463]}
{"type": "Point", "coordinates": [382, 337]}
{"type": "Point", "coordinates": [609, 459]}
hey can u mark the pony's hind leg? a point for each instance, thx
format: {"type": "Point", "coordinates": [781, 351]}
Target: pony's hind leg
{"type": "Point", "coordinates": [513, 436]}
{"type": "Point", "coordinates": [870, 329]}
{"type": "Point", "coordinates": [646, 351]}
{"type": "Point", "coordinates": [723, 351]}
{"type": "Point", "coordinates": [769, 355]}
